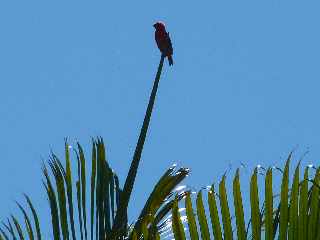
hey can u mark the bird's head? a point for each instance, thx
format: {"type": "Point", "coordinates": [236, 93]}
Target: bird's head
{"type": "Point", "coordinates": [159, 26]}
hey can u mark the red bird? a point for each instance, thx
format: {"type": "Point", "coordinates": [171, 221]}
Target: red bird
{"type": "Point", "coordinates": [163, 41]}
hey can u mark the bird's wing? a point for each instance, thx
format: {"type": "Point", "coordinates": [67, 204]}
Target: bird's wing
{"type": "Point", "coordinates": [170, 49]}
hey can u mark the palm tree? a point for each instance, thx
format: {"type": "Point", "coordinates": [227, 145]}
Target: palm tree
{"type": "Point", "coordinates": [295, 215]}
{"type": "Point", "coordinates": [108, 201]}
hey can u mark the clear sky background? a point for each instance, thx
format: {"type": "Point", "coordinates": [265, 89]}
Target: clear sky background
{"type": "Point", "coordinates": [244, 87]}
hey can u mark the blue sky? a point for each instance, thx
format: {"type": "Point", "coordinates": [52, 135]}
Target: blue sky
{"type": "Point", "coordinates": [244, 87]}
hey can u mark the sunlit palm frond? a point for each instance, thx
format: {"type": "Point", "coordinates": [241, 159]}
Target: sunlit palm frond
{"type": "Point", "coordinates": [296, 215]}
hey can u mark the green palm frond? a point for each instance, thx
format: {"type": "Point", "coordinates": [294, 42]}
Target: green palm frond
{"type": "Point", "coordinates": [104, 198]}
{"type": "Point", "coordinates": [160, 202]}
{"type": "Point", "coordinates": [296, 216]}
{"type": "Point", "coordinates": [104, 193]}
{"type": "Point", "coordinates": [32, 227]}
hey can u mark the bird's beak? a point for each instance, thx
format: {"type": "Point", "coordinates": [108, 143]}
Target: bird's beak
{"type": "Point", "coordinates": [154, 25]}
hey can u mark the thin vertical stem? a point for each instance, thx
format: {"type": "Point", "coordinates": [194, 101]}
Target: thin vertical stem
{"type": "Point", "coordinates": [120, 218]}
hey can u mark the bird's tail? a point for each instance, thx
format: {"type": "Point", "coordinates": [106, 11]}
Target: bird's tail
{"type": "Point", "coordinates": [170, 60]}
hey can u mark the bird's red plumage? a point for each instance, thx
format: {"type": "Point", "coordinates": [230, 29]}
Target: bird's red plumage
{"type": "Point", "coordinates": [163, 41]}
